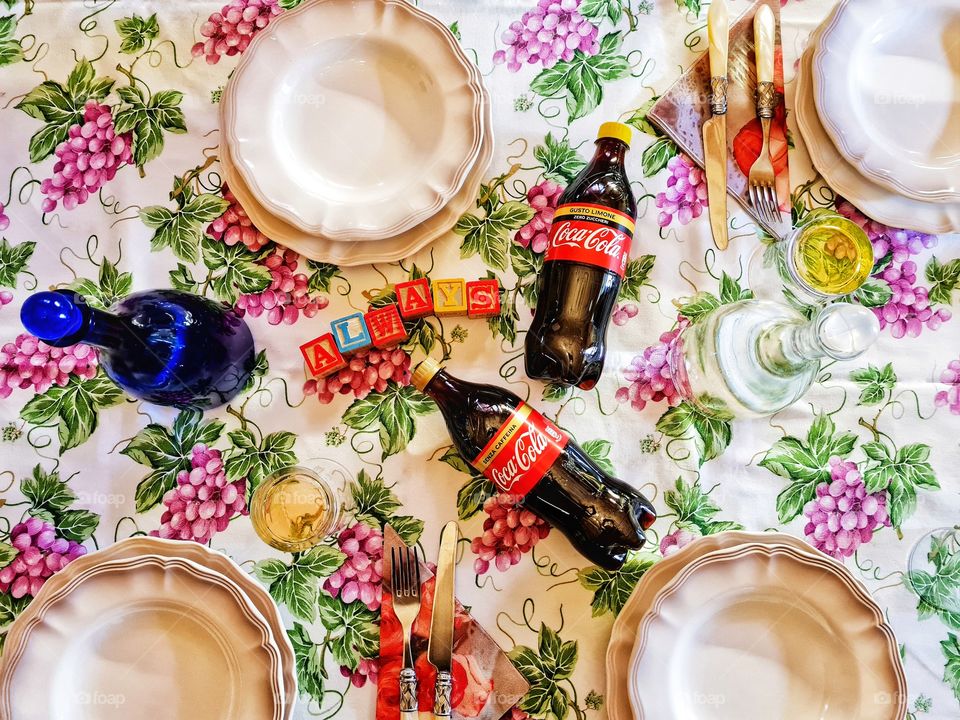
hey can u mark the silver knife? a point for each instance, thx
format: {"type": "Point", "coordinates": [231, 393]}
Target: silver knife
{"type": "Point", "coordinates": [440, 650]}
{"type": "Point", "coordinates": [715, 129]}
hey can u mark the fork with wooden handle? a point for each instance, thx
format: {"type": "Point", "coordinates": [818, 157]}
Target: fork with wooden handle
{"type": "Point", "coordinates": [405, 578]}
{"type": "Point", "coordinates": [762, 179]}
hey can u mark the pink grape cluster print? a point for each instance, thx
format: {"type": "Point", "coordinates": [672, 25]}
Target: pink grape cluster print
{"type": "Point", "coordinates": [950, 397]}
{"type": "Point", "coordinates": [368, 669]}
{"type": "Point", "coordinates": [287, 295]}
{"type": "Point", "coordinates": [908, 310]}
{"type": "Point", "coordinates": [28, 362]}
{"type": "Point", "coordinates": [40, 554]}
{"type": "Point", "coordinates": [87, 160]}
{"type": "Point", "coordinates": [6, 297]}
{"type": "Point", "coordinates": [552, 31]}
{"type": "Point", "coordinates": [844, 516]}
{"type": "Point", "coordinates": [367, 371]}
{"type": "Point", "coordinates": [543, 198]}
{"type": "Point", "coordinates": [686, 193]}
{"type": "Point", "coordinates": [203, 502]}
{"type": "Point", "coordinates": [508, 531]}
{"type": "Point", "coordinates": [230, 31]}
{"type": "Point", "coordinates": [4, 218]}
{"type": "Point", "coordinates": [360, 576]}
{"type": "Point", "coordinates": [676, 541]}
{"type": "Point", "coordinates": [649, 374]}
{"type": "Point", "coordinates": [624, 313]}
{"type": "Point", "coordinates": [234, 226]}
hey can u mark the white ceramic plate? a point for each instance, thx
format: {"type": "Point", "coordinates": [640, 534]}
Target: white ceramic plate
{"type": "Point", "coordinates": [355, 119]}
{"type": "Point", "coordinates": [219, 563]}
{"type": "Point", "coordinates": [144, 637]}
{"type": "Point", "coordinates": [624, 634]}
{"type": "Point", "coordinates": [347, 253]}
{"type": "Point", "coordinates": [874, 201]}
{"type": "Point", "coordinates": [887, 86]}
{"type": "Point", "coordinates": [765, 631]}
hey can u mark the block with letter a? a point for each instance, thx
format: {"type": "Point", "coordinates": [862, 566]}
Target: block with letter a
{"type": "Point", "coordinates": [483, 298]}
{"type": "Point", "coordinates": [322, 356]}
{"type": "Point", "coordinates": [450, 296]}
{"type": "Point", "coordinates": [385, 326]}
{"type": "Point", "coordinates": [414, 298]}
{"type": "Point", "coordinates": [351, 333]}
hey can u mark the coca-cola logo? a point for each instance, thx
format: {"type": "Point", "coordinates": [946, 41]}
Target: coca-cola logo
{"type": "Point", "coordinates": [527, 449]}
{"type": "Point", "coordinates": [603, 240]}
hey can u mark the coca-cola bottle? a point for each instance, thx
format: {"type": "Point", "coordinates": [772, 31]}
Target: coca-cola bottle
{"type": "Point", "coordinates": [585, 261]}
{"type": "Point", "coordinates": [525, 454]}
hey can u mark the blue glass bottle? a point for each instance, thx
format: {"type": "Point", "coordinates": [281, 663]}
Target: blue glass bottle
{"type": "Point", "coordinates": [164, 346]}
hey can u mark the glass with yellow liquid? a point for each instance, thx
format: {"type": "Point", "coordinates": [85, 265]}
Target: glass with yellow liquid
{"type": "Point", "coordinates": [295, 508]}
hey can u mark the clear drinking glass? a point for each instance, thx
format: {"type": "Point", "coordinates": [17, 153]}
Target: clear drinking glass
{"type": "Point", "coordinates": [932, 560]}
{"type": "Point", "coordinates": [296, 507]}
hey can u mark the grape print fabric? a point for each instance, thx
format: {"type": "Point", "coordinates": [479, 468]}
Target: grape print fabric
{"type": "Point", "coordinates": [110, 183]}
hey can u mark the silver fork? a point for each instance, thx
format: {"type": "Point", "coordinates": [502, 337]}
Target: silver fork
{"type": "Point", "coordinates": [762, 180]}
{"type": "Point", "coordinates": [406, 604]}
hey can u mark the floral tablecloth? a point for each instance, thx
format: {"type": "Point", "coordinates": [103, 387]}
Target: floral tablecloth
{"type": "Point", "coordinates": [116, 93]}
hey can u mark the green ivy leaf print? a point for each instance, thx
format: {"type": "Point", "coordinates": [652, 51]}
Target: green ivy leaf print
{"type": "Point", "coordinates": [544, 668]}
{"type": "Point", "coordinates": [695, 509]}
{"type": "Point", "coordinates": [61, 106]}
{"type": "Point", "coordinates": [297, 585]}
{"type": "Point", "coordinates": [249, 459]}
{"type": "Point", "coordinates": [310, 671]}
{"type": "Point", "coordinates": [391, 413]}
{"type": "Point", "coordinates": [182, 279]}
{"type": "Point", "coordinates": [354, 630]}
{"type": "Point", "coordinates": [148, 118]}
{"type": "Point", "coordinates": [50, 499]}
{"type": "Point", "coordinates": [731, 291]}
{"type": "Point", "coordinates": [639, 118]}
{"type": "Point", "coordinates": [289, 4]}
{"type": "Point", "coordinates": [322, 274]}
{"type": "Point", "coordinates": [376, 504]}
{"type": "Point", "coordinates": [597, 9]}
{"type": "Point", "coordinates": [944, 278]}
{"type": "Point", "coordinates": [951, 670]}
{"type": "Point", "coordinates": [555, 392]}
{"type": "Point", "coordinates": [579, 81]}
{"type": "Point", "coordinates": [873, 293]}
{"type": "Point", "coordinates": [612, 588]}
{"type": "Point", "coordinates": [77, 525]}
{"type": "Point", "coordinates": [7, 553]}
{"type": "Point", "coordinates": [874, 382]}
{"type": "Point", "coordinates": [167, 452]}
{"type": "Point", "coordinates": [110, 286]}
{"type": "Point", "coordinates": [505, 324]}
{"type": "Point", "coordinates": [692, 6]}
{"type": "Point", "coordinates": [599, 452]}
{"type": "Point", "coordinates": [525, 262]}
{"type": "Point", "coordinates": [806, 464]}
{"type": "Point", "coordinates": [475, 491]}
{"type": "Point", "coordinates": [260, 368]}
{"type": "Point", "coordinates": [636, 277]}
{"type": "Point", "coordinates": [560, 162]}
{"type": "Point", "coordinates": [407, 527]}
{"type": "Point", "coordinates": [656, 156]}
{"type": "Point", "coordinates": [698, 306]}
{"type": "Point", "coordinates": [181, 230]}
{"type": "Point", "coordinates": [13, 260]}
{"type": "Point", "coordinates": [936, 590]}
{"type": "Point", "coordinates": [901, 475]}
{"type": "Point", "coordinates": [73, 408]}
{"type": "Point", "coordinates": [489, 236]}
{"type": "Point", "coordinates": [135, 32]}
{"type": "Point", "coordinates": [711, 435]}
{"type": "Point", "coordinates": [10, 49]}
{"type": "Point", "coordinates": [233, 270]}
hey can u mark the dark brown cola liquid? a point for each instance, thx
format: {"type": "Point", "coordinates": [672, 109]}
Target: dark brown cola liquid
{"type": "Point", "coordinates": [566, 342]}
{"type": "Point", "coordinates": [602, 516]}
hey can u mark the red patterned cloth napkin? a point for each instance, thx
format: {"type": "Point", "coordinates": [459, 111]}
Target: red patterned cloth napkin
{"type": "Point", "coordinates": [485, 683]}
{"type": "Point", "coordinates": [682, 110]}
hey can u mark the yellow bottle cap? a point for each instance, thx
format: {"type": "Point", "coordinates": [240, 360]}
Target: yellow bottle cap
{"type": "Point", "coordinates": [424, 373]}
{"type": "Point", "coordinates": [615, 130]}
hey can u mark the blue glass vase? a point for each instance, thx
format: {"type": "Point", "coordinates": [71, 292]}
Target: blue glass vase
{"type": "Point", "coordinates": [163, 346]}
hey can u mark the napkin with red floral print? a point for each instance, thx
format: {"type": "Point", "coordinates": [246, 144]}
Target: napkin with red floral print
{"type": "Point", "coordinates": [682, 110]}
{"type": "Point", "coordinates": [485, 683]}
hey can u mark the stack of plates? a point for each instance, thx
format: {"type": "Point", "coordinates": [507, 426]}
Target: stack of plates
{"type": "Point", "coordinates": [355, 131]}
{"type": "Point", "coordinates": [878, 104]}
{"type": "Point", "coordinates": [149, 628]}
{"type": "Point", "coordinates": [752, 625]}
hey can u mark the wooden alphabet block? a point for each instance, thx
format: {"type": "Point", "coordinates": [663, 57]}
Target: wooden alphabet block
{"type": "Point", "coordinates": [322, 356]}
{"type": "Point", "coordinates": [414, 298]}
{"type": "Point", "coordinates": [483, 298]}
{"type": "Point", "coordinates": [351, 333]}
{"type": "Point", "coordinates": [385, 326]}
{"type": "Point", "coordinates": [450, 296]}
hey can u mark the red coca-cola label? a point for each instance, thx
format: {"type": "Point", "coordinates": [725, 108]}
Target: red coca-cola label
{"type": "Point", "coordinates": [521, 451]}
{"type": "Point", "coordinates": [591, 234]}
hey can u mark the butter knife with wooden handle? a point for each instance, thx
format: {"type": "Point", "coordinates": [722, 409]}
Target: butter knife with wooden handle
{"type": "Point", "coordinates": [715, 129]}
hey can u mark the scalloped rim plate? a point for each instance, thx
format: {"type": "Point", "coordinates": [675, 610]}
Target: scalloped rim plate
{"type": "Point", "coordinates": [148, 636]}
{"type": "Point", "coordinates": [888, 96]}
{"type": "Point", "coordinates": [354, 119]}
{"type": "Point", "coordinates": [755, 631]}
